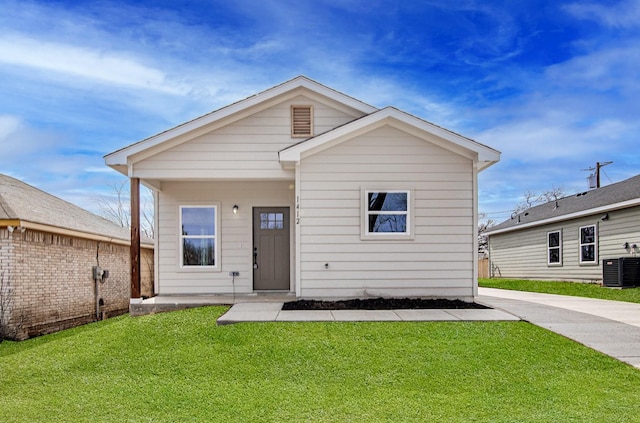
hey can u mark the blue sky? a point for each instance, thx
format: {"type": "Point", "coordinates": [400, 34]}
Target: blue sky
{"type": "Point", "coordinates": [553, 85]}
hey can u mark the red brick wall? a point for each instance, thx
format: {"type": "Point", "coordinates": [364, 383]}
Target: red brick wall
{"type": "Point", "coordinates": [52, 281]}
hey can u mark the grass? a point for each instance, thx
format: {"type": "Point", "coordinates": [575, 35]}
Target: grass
{"type": "Point", "coordinates": [631, 295]}
{"type": "Point", "coordinates": [181, 367]}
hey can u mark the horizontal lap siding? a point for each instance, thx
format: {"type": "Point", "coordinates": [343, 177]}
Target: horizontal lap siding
{"type": "Point", "coordinates": [437, 262]}
{"type": "Point", "coordinates": [235, 238]}
{"type": "Point", "coordinates": [523, 254]}
{"type": "Point", "coordinates": [245, 149]}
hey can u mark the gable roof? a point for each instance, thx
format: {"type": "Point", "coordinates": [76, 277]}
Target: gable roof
{"type": "Point", "coordinates": [486, 156]}
{"type": "Point", "coordinates": [24, 205]}
{"type": "Point", "coordinates": [601, 200]}
{"type": "Point", "coordinates": [118, 159]}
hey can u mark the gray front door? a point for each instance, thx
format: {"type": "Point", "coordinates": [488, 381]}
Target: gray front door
{"type": "Point", "coordinates": [271, 248]}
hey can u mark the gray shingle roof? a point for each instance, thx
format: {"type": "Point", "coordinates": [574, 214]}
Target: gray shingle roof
{"type": "Point", "coordinates": [19, 200]}
{"type": "Point", "coordinates": [620, 192]}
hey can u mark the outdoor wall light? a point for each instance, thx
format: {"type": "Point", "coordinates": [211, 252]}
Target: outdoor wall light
{"type": "Point", "coordinates": [605, 217]}
{"type": "Point", "coordinates": [235, 209]}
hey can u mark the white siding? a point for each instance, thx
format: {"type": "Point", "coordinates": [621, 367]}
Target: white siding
{"type": "Point", "coordinates": [522, 254]}
{"type": "Point", "coordinates": [246, 149]}
{"type": "Point", "coordinates": [235, 239]}
{"type": "Point", "coordinates": [437, 262]}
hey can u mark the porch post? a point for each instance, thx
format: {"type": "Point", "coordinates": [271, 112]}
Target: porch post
{"type": "Point", "coordinates": [135, 238]}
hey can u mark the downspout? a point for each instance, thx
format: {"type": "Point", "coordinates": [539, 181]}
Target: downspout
{"type": "Point", "coordinates": [474, 288]}
{"type": "Point", "coordinates": [297, 219]}
{"type": "Point", "coordinates": [156, 243]}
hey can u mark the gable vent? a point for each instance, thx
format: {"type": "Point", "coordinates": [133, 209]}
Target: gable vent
{"type": "Point", "coordinates": [301, 121]}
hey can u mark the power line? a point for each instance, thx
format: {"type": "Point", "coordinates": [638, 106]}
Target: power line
{"type": "Point", "coordinates": [596, 174]}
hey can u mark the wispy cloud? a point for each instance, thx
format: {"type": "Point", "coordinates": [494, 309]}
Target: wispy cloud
{"type": "Point", "coordinates": [80, 62]}
{"type": "Point", "coordinates": [626, 14]}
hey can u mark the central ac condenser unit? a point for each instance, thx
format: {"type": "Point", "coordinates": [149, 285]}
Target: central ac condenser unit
{"type": "Point", "coordinates": [623, 272]}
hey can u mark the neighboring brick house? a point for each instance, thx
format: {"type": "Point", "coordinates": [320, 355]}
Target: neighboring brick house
{"type": "Point", "coordinates": [48, 248]}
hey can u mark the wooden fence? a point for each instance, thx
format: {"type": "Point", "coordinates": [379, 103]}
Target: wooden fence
{"type": "Point", "coordinates": [483, 268]}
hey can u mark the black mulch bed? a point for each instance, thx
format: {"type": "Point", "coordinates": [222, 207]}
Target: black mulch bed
{"type": "Point", "coordinates": [380, 304]}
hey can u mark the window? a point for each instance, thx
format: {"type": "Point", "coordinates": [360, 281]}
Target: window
{"type": "Point", "coordinates": [387, 212]}
{"type": "Point", "coordinates": [588, 245]}
{"type": "Point", "coordinates": [554, 248]}
{"type": "Point", "coordinates": [301, 121]}
{"type": "Point", "coordinates": [271, 220]}
{"type": "Point", "coordinates": [198, 236]}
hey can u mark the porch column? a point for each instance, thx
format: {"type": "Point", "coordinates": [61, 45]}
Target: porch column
{"type": "Point", "coordinates": [135, 238]}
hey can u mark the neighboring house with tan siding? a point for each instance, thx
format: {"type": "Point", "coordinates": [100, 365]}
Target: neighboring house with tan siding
{"type": "Point", "coordinates": [568, 239]}
{"type": "Point", "coordinates": [305, 190]}
{"type": "Point", "coordinates": [48, 248]}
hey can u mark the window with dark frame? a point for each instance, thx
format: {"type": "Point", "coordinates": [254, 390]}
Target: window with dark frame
{"type": "Point", "coordinates": [198, 240]}
{"type": "Point", "coordinates": [554, 248]}
{"type": "Point", "coordinates": [387, 212]}
{"type": "Point", "coordinates": [588, 244]}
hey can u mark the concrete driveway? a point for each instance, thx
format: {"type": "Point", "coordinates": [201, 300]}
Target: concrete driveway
{"type": "Point", "coordinates": [611, 327]}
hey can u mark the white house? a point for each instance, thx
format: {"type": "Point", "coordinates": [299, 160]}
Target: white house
{"type": "Point", "coordinates": [306, 190]}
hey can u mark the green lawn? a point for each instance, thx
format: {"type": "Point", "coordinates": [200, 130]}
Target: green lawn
{"type": "Point", "coordinates": [181, 367]}
{"type": "Point", "coordinates": [575, 289]}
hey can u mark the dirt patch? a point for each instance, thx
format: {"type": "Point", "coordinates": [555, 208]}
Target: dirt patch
{"type": "Point", "coordinates": [380, 304]}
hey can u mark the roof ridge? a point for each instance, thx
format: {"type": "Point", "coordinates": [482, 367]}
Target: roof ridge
{"type": "Point", "coordinates": [227, 107]}
{"type": "Point", "coordinates": [32, 204]}
{"type": "Point", "coordinates": [621, 192]}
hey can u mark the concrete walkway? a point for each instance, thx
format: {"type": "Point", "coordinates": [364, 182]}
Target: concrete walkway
{"type": "Point", "coordinates": [611, 327]}
{"type": "Point", "coordinates": [272, 312]}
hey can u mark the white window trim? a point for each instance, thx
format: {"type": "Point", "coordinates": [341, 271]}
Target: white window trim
{"type": "Point", "coordinates": [595, 245]}
{"type": "Point", "coordinates": [559, 247]}
{"type": "Point", "coordinates": [386, 236]}
{"type": "Point", "coordinates": [215, 268]}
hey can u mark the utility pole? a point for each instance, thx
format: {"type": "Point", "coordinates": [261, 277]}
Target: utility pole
{"type": "Point", "coordinates": [597, 173]}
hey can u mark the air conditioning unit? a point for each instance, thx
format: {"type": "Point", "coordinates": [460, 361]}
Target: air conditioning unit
{"type": "Point", "coordinates": [623, 272]}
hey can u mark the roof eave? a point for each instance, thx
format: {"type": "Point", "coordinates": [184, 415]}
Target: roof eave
{"type": "Point", "coordinates": [41, 227]}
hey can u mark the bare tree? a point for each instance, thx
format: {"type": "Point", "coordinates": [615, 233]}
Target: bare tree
{"type": "Point", "coordinates": [553, 194]}
{"type": "Point", "coordinates": [116, 207]}
{"type": "Point", "coordinates": [484, 223]}
{"type": "Point", "coordinates": [532, 199]}
{"type": "Point", "coordinates": [146, 213]}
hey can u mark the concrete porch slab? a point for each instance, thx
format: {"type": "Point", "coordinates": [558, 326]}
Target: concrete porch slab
{"type": "Point", "coordinates": [251, 312]}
